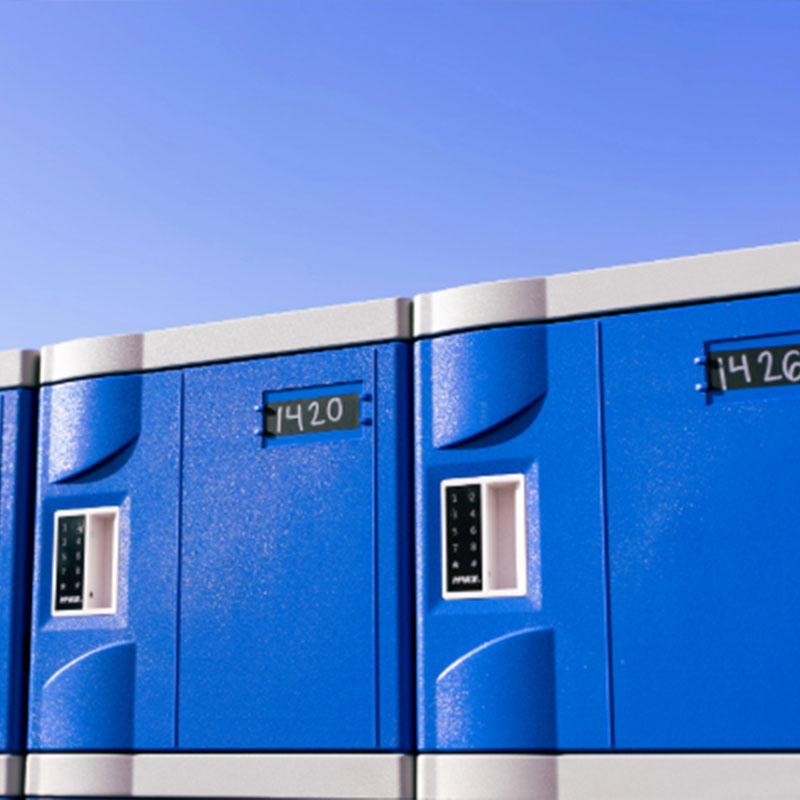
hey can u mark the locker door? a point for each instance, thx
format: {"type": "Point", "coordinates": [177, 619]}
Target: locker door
{"type": "Point", "coordinates": [511, 599]}
{"type": "Point", "coordinates": [17, 448]}
{"type": "Point", "coordinates": [703, 509]}
{"type": "Point", "coordinates": [103, 662]}
{"type": "Point", "coordinates": [278, 609]}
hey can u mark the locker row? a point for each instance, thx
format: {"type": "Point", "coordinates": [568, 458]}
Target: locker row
{"type": "Point", "coordinates": [534, 539]}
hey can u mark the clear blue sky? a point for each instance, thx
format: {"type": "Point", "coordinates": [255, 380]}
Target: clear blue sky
{"type": "Point", "coordinates": [163, 163]}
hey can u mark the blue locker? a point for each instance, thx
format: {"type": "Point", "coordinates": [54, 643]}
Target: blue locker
{"type": "Point", "coordinates": [18, 381]}
{"type": "Point", "coordinates": [606, 533]}
{"type": "Point", "coordinates": [244, 488]}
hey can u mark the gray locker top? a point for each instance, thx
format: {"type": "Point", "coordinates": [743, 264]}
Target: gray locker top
{"type": "Point", "coordinates": [18, 369]}
{"type": "Point", "coordinates": [250, 337]}
{"type": "Point", "coordinates": [669, 282]}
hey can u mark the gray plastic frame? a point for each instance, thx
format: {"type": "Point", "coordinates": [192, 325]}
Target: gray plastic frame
{"type": "Point", "coordinates": [333, 776]}
{"type": "Point", "coordinates": [19, 369]}
{"type": "Point", "coordinates": [251, 337]}
{"type": "Point", "coordinates": [746, 776]}
{"type": "Point", "coordinates": [12, 769]}
{"type": "Point", "coordinates": [715, 276]}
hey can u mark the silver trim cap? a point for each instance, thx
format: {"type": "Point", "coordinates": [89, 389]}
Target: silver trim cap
{"type": "Point", "coordinates": [615, 776]}
{"type": "Point", "coordinates": [334, 776]}
{"type": "Point", "coordinates": [293, 331]}
{"type": "Point", "coordinates": [12, 769]}
{"type": "Point", "coordinates": [19, 369]}
{"type": "Point", "coordinates": [733, 273]}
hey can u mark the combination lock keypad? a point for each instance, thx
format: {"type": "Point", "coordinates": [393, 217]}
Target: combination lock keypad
{"type": "Point", "coordinates": [70, 551]}
{"type": "Point", "coordinates": [464, 561]}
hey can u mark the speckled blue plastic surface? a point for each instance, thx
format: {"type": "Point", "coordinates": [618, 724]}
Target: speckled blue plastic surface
{"type": "Point", "coordinates": [516, 673]}
{"type": "Point", "coordinates": [704, 534]}
{"type": "Point", "coordinates": [292, 629]}
{"type": "Point", "coordinates": [293, 603]}
{"type": "Point", "coordinates": [17, 429]}
{"type": "Point", "coordinates": [108, 682]}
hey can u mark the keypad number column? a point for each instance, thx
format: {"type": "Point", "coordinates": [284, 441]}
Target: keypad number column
{"type": "Point", "coordinates": [70, 566]}
{"type": "Point", "coordinates": [463, 538]}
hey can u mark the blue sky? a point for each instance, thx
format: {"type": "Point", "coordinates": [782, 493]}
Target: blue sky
{"type": "Point", "coordinates": [163, 163]}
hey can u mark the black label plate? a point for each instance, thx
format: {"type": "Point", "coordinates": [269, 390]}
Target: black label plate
{"type": "Point", "coordinates": [753, 368]}
{"type": "Point", "coordinates": [333, 412]}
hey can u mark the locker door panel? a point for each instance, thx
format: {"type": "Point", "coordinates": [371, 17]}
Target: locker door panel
{"type": "Point", "coordinates": [277, 633]}
{"type": "Point", "coordinates": [103, 676]}
{"type": "Point", "coordinates": [508, 427]}
{"type": "Point", "coordinates": [17, 448]}
{"type": "Point", "coordinates": [703, 509]}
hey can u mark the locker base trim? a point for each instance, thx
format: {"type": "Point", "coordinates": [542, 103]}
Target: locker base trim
{"type": "Point", "coordinates": [739, 776]}
{"type": "Point", "coordinates": [11, 772]}
{"type": "Point", "coordinates": [339, 776]}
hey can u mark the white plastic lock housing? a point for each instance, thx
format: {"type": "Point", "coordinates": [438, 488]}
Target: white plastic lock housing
{"type": "Point", "coordinates": [85, 561]}
{"type": "Point", "coordinates": [483, 537]}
